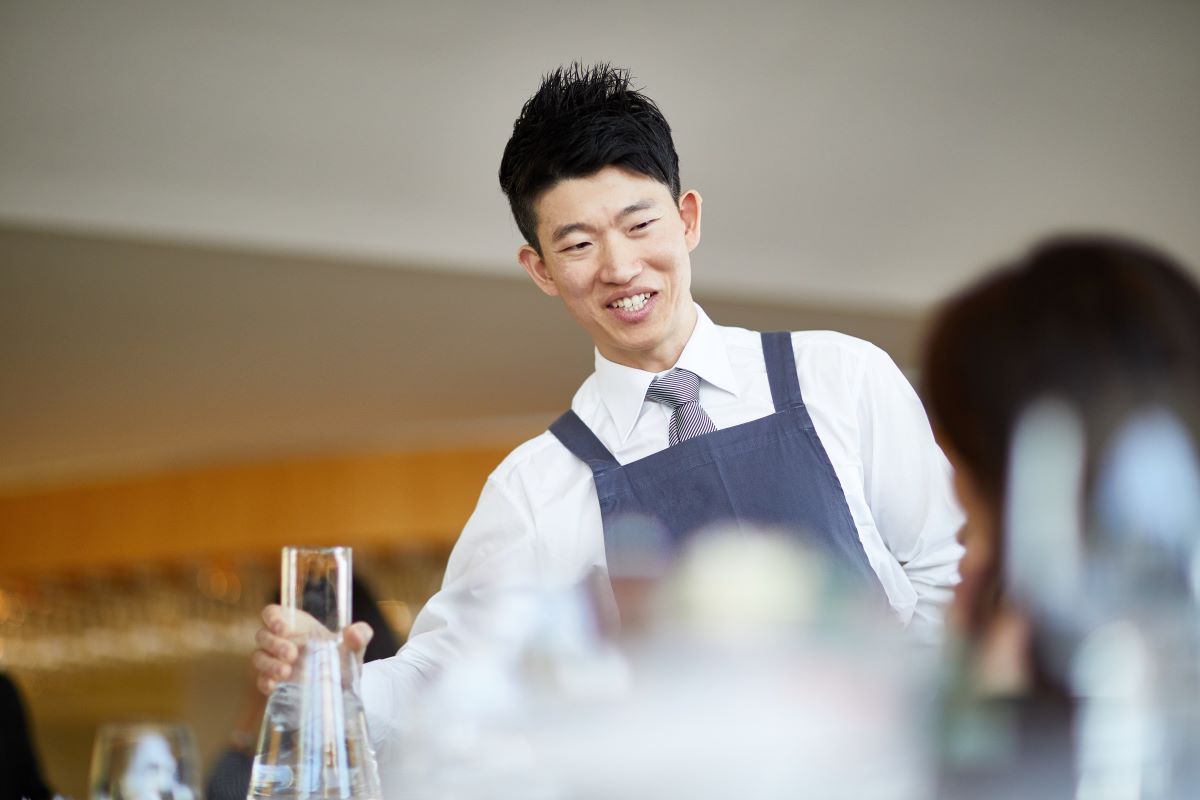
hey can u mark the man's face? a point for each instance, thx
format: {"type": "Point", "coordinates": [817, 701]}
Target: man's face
{"type": "Point", "coordinates": [615, 248]}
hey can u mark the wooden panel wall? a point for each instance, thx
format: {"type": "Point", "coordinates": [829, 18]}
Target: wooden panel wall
{"type": "Point", "coordinates": [247, 509]}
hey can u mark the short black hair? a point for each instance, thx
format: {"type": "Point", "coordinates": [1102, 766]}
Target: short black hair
{"type": "Point", "coordinates": [580, 120]}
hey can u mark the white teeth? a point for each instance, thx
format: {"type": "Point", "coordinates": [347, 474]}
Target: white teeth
{"type": "Point", "coordinates": [633, 303]}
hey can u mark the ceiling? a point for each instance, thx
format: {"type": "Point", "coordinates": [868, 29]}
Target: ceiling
{"type": "Point", "coordinates": [229, 228]}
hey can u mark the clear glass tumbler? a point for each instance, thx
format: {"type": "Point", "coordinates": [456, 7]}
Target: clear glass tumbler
{"type": "Point", "coordinates": [144, 761]}
{"type": "Point", "coordinates": [313, 742]}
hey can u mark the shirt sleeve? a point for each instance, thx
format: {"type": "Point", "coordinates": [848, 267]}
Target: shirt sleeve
{"type": "Point", "coordinates": [908, 487]}
{"type": "Point", "coordinates": [493, 556]}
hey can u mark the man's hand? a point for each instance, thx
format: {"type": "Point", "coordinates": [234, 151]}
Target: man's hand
{"type": "Point", "coordinates": [277, 648]}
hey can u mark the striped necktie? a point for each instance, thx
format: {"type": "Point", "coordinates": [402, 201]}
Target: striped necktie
{"type": "Point", "coordinates": [680, 390]}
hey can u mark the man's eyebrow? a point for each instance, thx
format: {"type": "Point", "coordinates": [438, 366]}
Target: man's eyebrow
{"type": "Point", "coordinates": [563, 231]}
{"type": "Point", "coordinates": [640, 205]}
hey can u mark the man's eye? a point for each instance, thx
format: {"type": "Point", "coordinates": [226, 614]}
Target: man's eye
{"type": "Point", "coordinates": [580, 246]}
{"type": "Point", "coordinates": [643, 225]}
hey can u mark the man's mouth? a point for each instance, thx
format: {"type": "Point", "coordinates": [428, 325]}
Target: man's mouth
{"type": "Point", "coordinates": [634, 302]}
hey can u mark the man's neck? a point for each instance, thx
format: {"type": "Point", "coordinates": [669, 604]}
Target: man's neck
{"type": "Point", "coordinates": [660, 359]}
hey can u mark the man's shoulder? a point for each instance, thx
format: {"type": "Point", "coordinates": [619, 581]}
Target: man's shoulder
{"type": "Point", "coordinates": [809, 344]}
{"type": "Point", "coordinates": [833, 344]}
{"type": "Point", "coordinates": [544, 457]}
{"type": "Point", "coordinates": [541, 447]}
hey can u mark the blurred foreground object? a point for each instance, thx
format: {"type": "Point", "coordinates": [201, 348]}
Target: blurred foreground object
{"type": "Point", "coordinates": [144, 761]}
{"type": "Point", "coordinates": [314, 733]}
{"type": "Point", "coordinates": [1121, 621]}
{"type": "Point", "coordinates": [1064, 388]}
{"type": "Point", "coordinates": [755, 674]}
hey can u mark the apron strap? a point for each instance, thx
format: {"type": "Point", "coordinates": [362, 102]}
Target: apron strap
{"type": "Point", "coordinates": [781, 370]}
{"type": "Point", "coordinates": [583, 444]}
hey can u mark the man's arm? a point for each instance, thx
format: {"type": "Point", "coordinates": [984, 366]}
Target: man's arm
{"type": "Point", "coordinates": [493, 562]}
{"type": "Point", "coordinates": [908, 487]}
{"type": "Point", "coordinates": [493, 558]}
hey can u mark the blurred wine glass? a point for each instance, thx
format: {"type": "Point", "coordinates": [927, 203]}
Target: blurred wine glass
{"type": "Point", "coordinates": [144, 761]}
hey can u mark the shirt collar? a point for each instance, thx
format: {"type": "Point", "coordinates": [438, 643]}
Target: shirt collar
{"type": "Point", "coordinates": [623, 389]}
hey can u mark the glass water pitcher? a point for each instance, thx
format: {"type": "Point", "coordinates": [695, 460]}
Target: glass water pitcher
{"type": "Point", "coordinates": [313, 742]}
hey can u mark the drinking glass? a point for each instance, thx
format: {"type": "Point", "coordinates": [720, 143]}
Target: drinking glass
{"type": "Point", "coordinates": [144, 761]}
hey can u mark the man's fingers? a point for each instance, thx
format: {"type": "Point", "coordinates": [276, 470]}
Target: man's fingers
{"type": "Point", "coordinates": [273, 619]}
{"type": "Point", "coordinates": [275, 646]}
{"type": "Point", "coordinates": [358, 636]}
{"type": "Point", "coordinates": [265, 684]}
{"type": "Point", "coordinates": [275, 653]}
{"type": "Point", "coordinates": [270, 667]}
{"type": "Point", "coordinates": [263, 639]}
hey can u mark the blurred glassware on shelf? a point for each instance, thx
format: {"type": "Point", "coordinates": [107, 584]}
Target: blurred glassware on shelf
{"type": "Point", "coordinates": [116, 616]}
{"type": "Point", "coordinates": [144, 761]}
{"type": "Point", "coordinates": [314, 741]}
{"type": "Point", "coordinates": [151, 633]}
{"type": "Point", "coordinates": [119, 616]}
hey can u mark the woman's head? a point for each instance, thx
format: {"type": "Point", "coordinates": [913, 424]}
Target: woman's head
{"type": "Point", "coordinates": [1103, 323]}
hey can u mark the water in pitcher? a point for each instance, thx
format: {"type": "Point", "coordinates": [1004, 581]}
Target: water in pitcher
{"type": "Point", "coordinates": [313, 742]}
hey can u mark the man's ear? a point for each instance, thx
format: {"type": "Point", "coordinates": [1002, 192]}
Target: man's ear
{"type": "Point", "coordinates": [535, 265]}
{"type": "Point", "coordinates": [689, 212]}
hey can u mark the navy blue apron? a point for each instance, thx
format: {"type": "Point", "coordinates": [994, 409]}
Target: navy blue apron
{"type": "Point", "coordinates": [771, 472]}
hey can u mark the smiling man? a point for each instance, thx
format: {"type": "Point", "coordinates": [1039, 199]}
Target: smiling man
{"type": "Point", "coordinates": [616, 252]}
{"type": "Point", "coordinates": [684, 424]}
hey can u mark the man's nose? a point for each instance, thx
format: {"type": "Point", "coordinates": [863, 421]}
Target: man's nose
{"type": "Point", "coordinates": [621, 263]}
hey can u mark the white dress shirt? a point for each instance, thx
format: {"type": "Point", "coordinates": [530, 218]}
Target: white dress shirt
{"type": "Point", "coordinates": [538, 520]}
